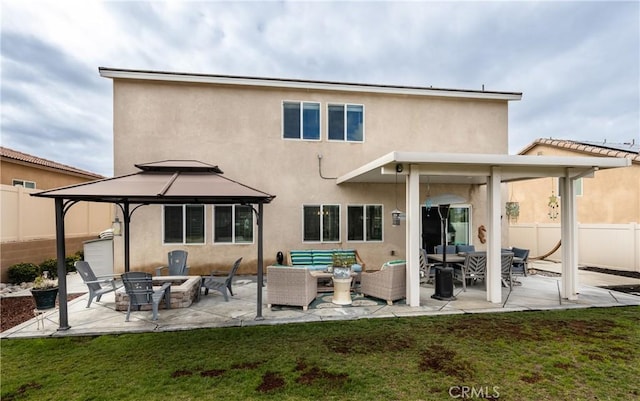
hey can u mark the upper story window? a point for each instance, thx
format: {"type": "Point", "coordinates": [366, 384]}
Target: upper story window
{"type": "Point", "coordinates": [25, 184]}
{"type": "Point", "coordinates": [364, 223]}
{"type": "Point", "coordinates": [184, 224]}
{"type": "Point", "coordinates": [346, 122]}
{"type": "Point", "coordinates": [232, 224]}
{"type": "Point", "coordinates": [321, 223]}
{"type": "Point", "coordinates": [301, 120]}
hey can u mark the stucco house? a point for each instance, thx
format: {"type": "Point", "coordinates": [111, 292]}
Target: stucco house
{"type": "Point", "coordinates": [340, 157]}
{"type": "Point", "coordinates": [608, 206]}
{"type": "Point", "coordinates": [28, 228]}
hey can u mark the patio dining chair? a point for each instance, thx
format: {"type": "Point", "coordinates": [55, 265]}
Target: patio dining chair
{"type": "Point", "coordinates": [139, 288]}
{"type": "Point", "coordinates": [427, 270]}
{"type": "Point", "coordinates": [221, 284]}
{"type": "Point", "coordinates": [177, 264]}
{"type": "Point", "coordinates": [506, 261]}
{"type": "Point", "coordinates": [473, 269]}
{"type": "Point", "coordinates": [520, 268]}
{"type": "Point", "coordinates": [98, 285]}
{"type": "Point", "coordinates": [450, 249]}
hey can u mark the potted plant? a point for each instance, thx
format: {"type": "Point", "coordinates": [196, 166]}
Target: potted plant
{"type": "Point", "coordinates": [342, 265]}
{"type": "Point", "coordinates": [44, 292]}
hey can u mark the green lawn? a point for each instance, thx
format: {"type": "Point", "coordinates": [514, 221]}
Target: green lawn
{"type": "Point", "coordinates": [587, 354]}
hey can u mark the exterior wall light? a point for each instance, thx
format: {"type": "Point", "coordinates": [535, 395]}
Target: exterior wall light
{"type": "Point", "coordinates": [116, 226]}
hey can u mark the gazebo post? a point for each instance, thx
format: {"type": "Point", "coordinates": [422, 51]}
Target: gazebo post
{"type": "Point", "coordinates": [62, 268]}
{"type": "Point", "coordinates": [260, 263]}
{"type": "Point", "coordinates": [127, 220]}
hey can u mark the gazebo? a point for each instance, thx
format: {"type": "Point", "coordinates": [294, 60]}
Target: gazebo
{"type": "Point", "coordinates": [159, 183]}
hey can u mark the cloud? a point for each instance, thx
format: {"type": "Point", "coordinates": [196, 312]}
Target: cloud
{"type": "Point", "coordinates": [577, 63]}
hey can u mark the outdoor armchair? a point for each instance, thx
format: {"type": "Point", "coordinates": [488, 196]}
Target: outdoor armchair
{"type": "Point", "coordinates": [98, 285]}
{"type": "Point", "coordinates": [290, 286]}
{"type": "Point", "coordinates": [388, 283]}
{"type": "Point", "coordinates": [139, 288]}
{"type": "Point", "coordinates": [427, 270]}
{"type": "Point", "coordinates": [219, 283]}
{"type": "Point", "coordinates": [177, 264]}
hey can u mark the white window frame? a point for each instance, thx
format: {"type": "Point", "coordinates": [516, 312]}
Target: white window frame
{"type": "Point", "coordinates": [24, 183]}
{"type": "Point", "coordinates": [364, 222]}
{"type": "Point", "coordinates": [302, 103]}
{"type": "Point", "coordinates": [184, 225]}
{"type": "Point", "coordinates": [322, 240]}
{"type": "Point", "coordinates": [344, 133]}
{"type": "Point", "coordinates": [233, 226]}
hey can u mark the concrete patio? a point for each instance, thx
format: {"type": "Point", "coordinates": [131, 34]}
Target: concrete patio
{"type": "Point", "coordinates": [537, 292]}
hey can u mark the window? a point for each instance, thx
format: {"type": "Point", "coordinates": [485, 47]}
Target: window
{"type": "Point", "coordinates": [346, 122]}
{"type": "Point", "coordinates": [301, 120]}
{"type": "Point", "coordinates": [25, 184]}
{"type": "Point", "coordinates": [321, 223]}
{"type": "Point", "coordinates": [232, 224]}
{"type": "Point", "coordinates": [364, 223]}
{"type": "Point", "coordinates": [184, 224]}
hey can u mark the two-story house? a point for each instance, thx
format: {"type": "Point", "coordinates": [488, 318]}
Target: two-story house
{"type": "Point", "coordinates": [339, 156]}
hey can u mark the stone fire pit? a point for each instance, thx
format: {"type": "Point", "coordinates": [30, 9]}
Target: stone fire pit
{"type": "Point", "coordinates": [184, 291]}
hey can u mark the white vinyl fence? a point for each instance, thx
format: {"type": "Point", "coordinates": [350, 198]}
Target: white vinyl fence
{"type": "Point", "coordinates": [615, 246]}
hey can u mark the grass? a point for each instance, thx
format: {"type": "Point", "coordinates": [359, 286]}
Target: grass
{"type": "Point", "coordinates": [585, 354]}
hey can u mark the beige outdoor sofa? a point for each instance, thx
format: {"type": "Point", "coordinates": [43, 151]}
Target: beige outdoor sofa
{"type": "Point", "coordinates": [291, 286]}
{"type": "Point", "coordinates": [388, 283]}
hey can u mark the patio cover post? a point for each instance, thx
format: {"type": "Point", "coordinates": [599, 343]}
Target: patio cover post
{"type": "Point", "coordinates": [260, 263]}
{"type": "Point", "coordinates": [62, 268]}
{"type": "Point", "coordinates": [413, 235]}
{"type": "Point", "coordinates": [569, 238]}
{"type": "Point", "coordinates": [494, 235]}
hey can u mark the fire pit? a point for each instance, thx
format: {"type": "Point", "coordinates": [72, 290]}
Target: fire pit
{"type": "Point", "coordinates": [184, 291]}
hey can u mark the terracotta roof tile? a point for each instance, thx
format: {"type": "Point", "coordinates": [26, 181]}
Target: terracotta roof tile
{"type": "Point", "coordinates": [27, 158]}
{"type": "Point", "coordinates": [604, 149]}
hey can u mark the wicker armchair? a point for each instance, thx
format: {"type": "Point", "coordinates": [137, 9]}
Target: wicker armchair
{"type": "Point", "coordinates": [388, 283]}
{"type": "Point", "coordinates": [290, 286]}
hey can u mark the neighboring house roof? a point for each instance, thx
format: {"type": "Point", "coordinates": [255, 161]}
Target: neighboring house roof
{"type": "Point", "coordinates": [25, 158]}
{"type": "Point", "coordinates": [117, 73]}
{"type": "Point", "coordinates": [627, 150]}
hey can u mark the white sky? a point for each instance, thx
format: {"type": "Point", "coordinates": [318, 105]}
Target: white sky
{"type": "Point", "coordinates": [577, 63]}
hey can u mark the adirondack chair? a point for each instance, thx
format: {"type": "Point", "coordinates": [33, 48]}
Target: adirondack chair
{"type": "Point", "coordinates": [140, 290]}
{"type": "Point", "coordinates": [98, 285]}
{"type": "Point", "coordinates": [221, 284]}
{"type": "Point", "coordinates": [177, 265]}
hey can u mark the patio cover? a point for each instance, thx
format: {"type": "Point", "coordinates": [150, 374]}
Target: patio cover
{"type": "Point", "coordinates": [164, 182]}
{"type": "Point", "coordinates": [490, 170]}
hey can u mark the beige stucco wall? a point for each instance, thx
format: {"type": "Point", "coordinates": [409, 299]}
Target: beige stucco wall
{"type": "Point", "coordinates": [239, 129]}
{"type": "Point", "coordinates": [43, 177]}
{"type": "Point", "coordinates": [612, 196]}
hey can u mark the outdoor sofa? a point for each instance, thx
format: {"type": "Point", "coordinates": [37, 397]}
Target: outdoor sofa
{"type": "Point", "coordinates": [320, 259]}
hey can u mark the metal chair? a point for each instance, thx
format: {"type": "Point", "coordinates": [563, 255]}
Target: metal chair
{"type": "Point", "coordinates": [98, 285]}
{"type": "Point", "coordinates": [427, 270]}
{"type": "Point", "coordinates": [474, 268]}
{"type": "Point", "coordinates": [506, 262]}
{"type": "Point", "coordinates": [450, 249]}
{"type": "Point", "coordinates": [520, 268]}
{"type": "Point", "coordinates": [140, 290]}
{"type": "Point", "coordinates": [177, 265]}
{"type": "Point", "coordinates": [221, 284]}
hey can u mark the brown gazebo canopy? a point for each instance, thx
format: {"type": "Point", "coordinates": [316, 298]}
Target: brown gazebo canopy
{"type": "Point", "coordinates": [164, 182]}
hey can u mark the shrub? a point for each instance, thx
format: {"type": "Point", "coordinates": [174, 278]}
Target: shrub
{"type": "Point", "coordinates": [50, 265]}
{"type": "Point", "coordinates": [23, 273]}
{"type": "Point", "coordinates": [71, 260]}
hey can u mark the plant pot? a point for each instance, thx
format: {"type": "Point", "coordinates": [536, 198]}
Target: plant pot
{"type": "Point", "coordinates": [45, 299]}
